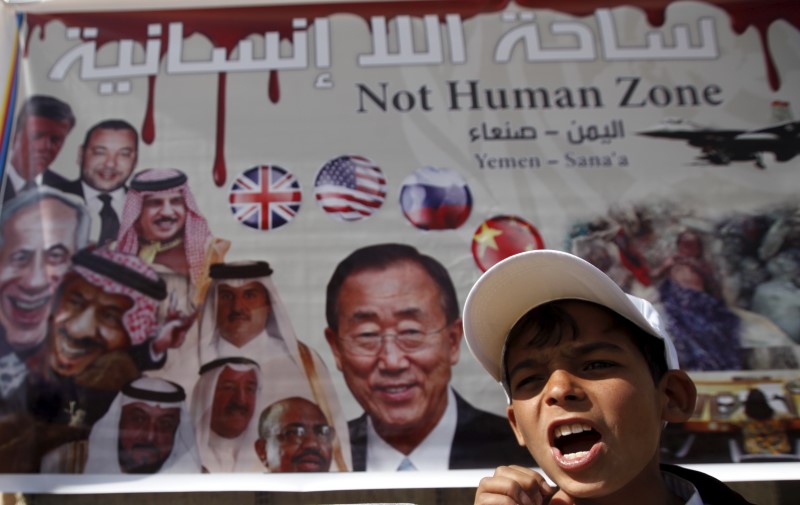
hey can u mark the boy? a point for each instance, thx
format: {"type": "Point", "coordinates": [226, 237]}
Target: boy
{"type": "Point", "coordinates": [591, 377]}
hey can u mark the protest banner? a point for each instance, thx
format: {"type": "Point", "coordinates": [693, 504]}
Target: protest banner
{"type": "Point", "coordinates": [658, 140]}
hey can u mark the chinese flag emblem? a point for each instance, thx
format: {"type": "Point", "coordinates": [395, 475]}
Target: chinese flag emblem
{"type": "Point", "coordinates": [502, 236]}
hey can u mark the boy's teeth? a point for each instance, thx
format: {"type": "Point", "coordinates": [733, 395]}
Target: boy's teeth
{"type": "Point", "coordinates": [569, 429]}
{"type": "Point", "coordinates": [575, 455]}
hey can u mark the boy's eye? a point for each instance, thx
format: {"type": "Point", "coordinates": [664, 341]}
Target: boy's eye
{"type": "Point", "coordinates": [597, 365]}
{"type": "Point", "coordinates": [529, 382]}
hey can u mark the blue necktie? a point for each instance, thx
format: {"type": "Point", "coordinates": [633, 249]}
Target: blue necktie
{"type": "Point", "coordinates": [406, 465]}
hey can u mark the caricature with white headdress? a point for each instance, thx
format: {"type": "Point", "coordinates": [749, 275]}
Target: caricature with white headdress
{"type": "Point", "coordinates": [265, 333]}
{"type": "Point", "coordinates": [224, 407]}
{"type": "Point", "coordinates": [147, 429]}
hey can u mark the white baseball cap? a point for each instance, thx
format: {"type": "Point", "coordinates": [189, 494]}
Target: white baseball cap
{"type": "Point", "coordinates": [514, 286]}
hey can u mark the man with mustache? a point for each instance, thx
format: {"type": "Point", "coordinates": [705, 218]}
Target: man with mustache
{"type": "Point", "coordinates": [294, 436]}
{"type": "Point", "coordinates": [42, 126]}
{"type": "Point", "coordinates": [162, 224]}
{"type": "Point", "coordinates": [243, 315]}
{"type": "Point", "coordinates": [40, 230]}
{"type": "Point", "coordinates": [107, 159]}
{"type": "Point", "coordinates": [147, 429]}
{"type": "Point", "coordinates": [224, 401]}
{"type": "Point", "coordinates": [102, 333]}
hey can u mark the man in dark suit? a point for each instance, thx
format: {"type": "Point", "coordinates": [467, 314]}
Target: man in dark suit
{"type": "Point", "coordinates": [107, 158]}
{"type": "Point", "coordinates": [42, 126]}
{"type": "Point", "coordinates": [395, 332]}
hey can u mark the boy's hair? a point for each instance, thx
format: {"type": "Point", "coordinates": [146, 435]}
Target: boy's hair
{"type": "Point", "coordinates": [509, 291]}
{"type": "Point", "coordinates": [547, 325]}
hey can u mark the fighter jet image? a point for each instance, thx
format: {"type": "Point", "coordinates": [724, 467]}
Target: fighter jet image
{"type": "Point", "coordinates": [721, 146]}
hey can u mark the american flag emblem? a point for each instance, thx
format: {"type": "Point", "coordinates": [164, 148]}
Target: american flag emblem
{"type": "Point", "coordinates": [265, 197]}
{"type": "Point", "coordinates": [350, 188]}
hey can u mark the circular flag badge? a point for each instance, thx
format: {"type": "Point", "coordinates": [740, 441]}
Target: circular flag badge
{"type": "Point", "coordinates": [435, 199]}
{"type": "Point", "coordinates": [502, 236]}
{"type": "Point", "coordinates": [265, 197]}
{"type": "Point", "coordinates": [350, 188]}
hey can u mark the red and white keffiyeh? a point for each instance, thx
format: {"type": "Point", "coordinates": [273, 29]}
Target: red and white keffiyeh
{"type": "Point", "coordinates": [196, 235]}
{"type": "Point", "coordinates": [139, 320]}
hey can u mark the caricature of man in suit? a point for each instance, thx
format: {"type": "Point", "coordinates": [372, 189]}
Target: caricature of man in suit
{"type": "Point", "coordinates": [43, 124]}
{"type": "Point", "coordinates": [107, 159]}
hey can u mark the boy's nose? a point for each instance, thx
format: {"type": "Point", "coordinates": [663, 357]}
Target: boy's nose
{"type": "Point", "coordinates": [562, 387]}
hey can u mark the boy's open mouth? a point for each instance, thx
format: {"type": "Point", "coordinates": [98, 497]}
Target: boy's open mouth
{"type": "Point", "coordinates": [575, 440]}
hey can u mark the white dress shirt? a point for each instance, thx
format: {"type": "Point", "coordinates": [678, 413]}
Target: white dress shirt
{"type": "Point", "coordinates": [16, 180]}
{"type": "Point", "coordinates": [432, 454]}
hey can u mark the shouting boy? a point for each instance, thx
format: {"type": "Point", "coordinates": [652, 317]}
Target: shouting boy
{"type": "Point", "coordinates": [591, 377]}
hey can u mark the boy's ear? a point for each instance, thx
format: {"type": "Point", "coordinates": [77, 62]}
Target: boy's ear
{"type": "Point", "coordinates": [512, 419]}
{"type": "Point", "coordinates": [679, 396]}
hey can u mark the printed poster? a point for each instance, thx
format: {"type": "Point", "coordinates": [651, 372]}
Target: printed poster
{"type": "Point", "coordinates": [237, 240]}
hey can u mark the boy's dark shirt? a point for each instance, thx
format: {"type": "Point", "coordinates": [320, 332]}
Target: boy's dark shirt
{"type": "Point", "coordinates": [711, 490]}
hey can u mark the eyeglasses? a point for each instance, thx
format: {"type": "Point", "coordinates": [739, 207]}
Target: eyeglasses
{"type": "Point", "coordinates": [295, 433]}
{"type": "Point", "coordinates": [369, 343]}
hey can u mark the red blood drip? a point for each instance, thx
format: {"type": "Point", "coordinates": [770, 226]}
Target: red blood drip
{"type": "Point", "coordinates": [742, 13]}
{"type": "Point", "coordinates": [225, 27]}
{"type": "Point", "coordinates": [149, 123]}
{"type": "Point", "coordinates": [34, 23]}
{"type": "Point", "coordinates": [772, 71]}
{"type": "Point", "coordinates": [274, 87]}
{"type": "Point", "coordinates": [220, 171]}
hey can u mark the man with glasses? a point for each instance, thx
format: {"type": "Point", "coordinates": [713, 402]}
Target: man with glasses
{"type": "Point", "coordinates": [294, 436]}
{"type": "Point", "coordinates": [395, 332]}
{"type": "Point", "coordinates": [243, 315]}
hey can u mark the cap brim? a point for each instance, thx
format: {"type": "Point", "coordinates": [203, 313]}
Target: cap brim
{"type": "Point", "coordinates": [514, 286]}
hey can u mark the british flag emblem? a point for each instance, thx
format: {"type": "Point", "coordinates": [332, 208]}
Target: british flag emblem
{"type": "Point", "coordinates": [350, 188]}
{"type": "Point", "coordinates": [265, 197]}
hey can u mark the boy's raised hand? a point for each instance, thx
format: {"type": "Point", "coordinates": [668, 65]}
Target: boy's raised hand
{"type": "Point", "coordinates": [513, 485]}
